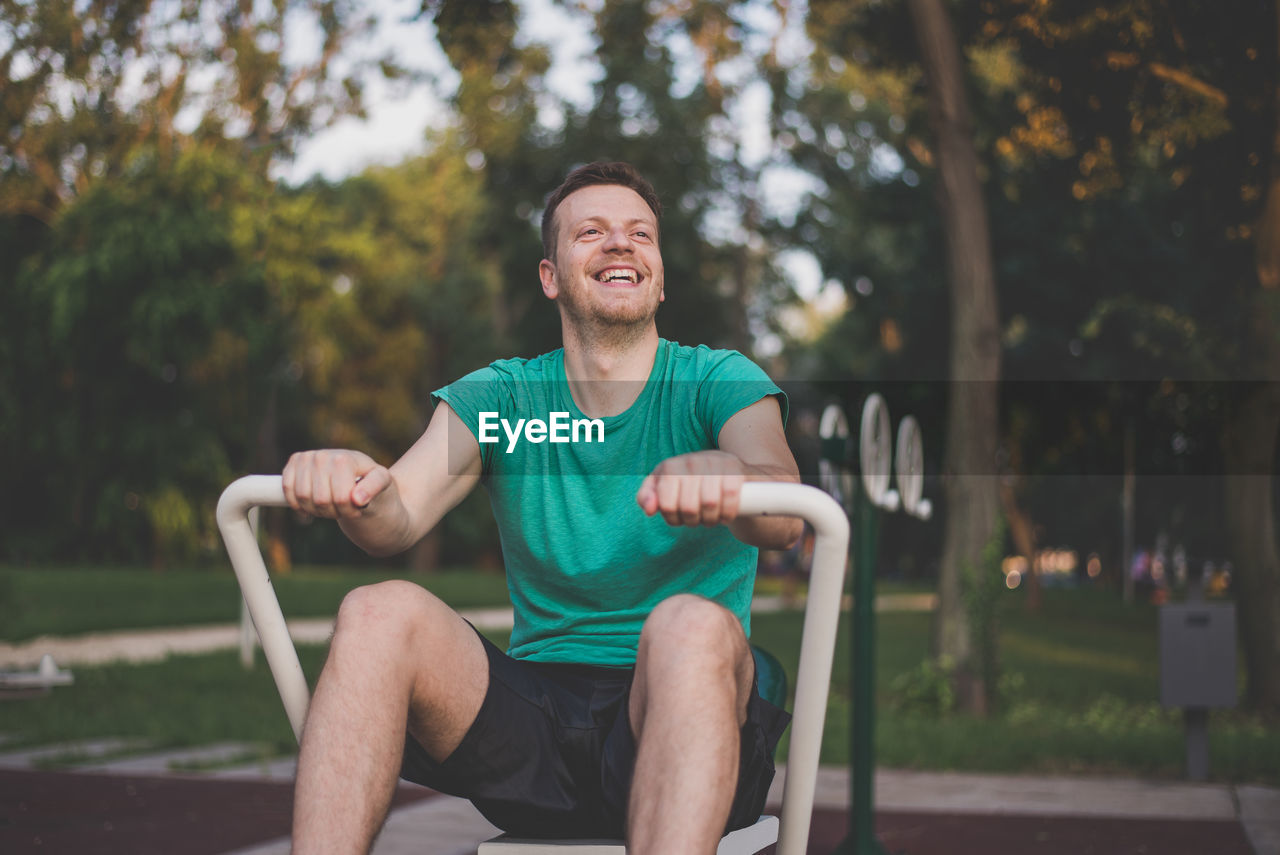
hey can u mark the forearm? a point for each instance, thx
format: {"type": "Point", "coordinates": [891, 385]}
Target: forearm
{"type": "Point", "coordinates": [384, 510]}
{"type": "Point", "coordinates": [703, 487]}
{"type": "Point", "coordinates": [769, 532]}
{"type": "Point", "coordinates": [383, 527]}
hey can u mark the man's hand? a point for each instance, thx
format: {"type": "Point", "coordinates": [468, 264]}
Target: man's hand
{"type": "Point", "coordinates": [386, 511]}
{"type": "Point", "coordinates": [705, 487]}
{"type": "Point", "coordinates": [334, 484]}
{"type": "Point", "coordinates": [700, 488]}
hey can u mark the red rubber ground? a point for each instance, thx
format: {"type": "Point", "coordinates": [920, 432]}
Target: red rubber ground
{"type": "Point", "coordinates": [59, 812]}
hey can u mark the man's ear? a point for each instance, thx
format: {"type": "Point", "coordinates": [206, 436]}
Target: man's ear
{"type": "Point", "coordinates": [547, 273]}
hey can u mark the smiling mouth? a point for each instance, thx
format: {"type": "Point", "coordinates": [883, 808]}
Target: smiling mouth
{"type": "Point", "coordinates": [618, 276]}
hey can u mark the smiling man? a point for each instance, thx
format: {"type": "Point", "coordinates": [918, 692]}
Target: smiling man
{"type": "Point", "coordinates": [626, 703]}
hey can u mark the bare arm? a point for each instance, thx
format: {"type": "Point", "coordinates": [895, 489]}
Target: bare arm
{"type": "Point", "coordinates": [703, 488]}
{"type": "Point", "coordinates": [385, 511]}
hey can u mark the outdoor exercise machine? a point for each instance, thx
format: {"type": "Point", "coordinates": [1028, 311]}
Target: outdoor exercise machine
{"type": "Point", "coordinates": [45, 676]}
{"type": "Point", "coordinates": [875, 458]}
{"type": "Point", "coordinates": [813, 676]}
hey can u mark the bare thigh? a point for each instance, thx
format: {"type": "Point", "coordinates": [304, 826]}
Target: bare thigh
{"type": "Point", "coordinates": [691, 638]}
{"type": "Point", "coordinates": [430, 654]}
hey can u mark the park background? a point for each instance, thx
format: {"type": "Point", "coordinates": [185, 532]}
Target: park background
{"type": "Point", "coordinates": [1049, 230]}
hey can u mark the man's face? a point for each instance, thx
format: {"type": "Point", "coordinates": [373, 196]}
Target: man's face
{"type": "Point", "coordinates": [607, 268]}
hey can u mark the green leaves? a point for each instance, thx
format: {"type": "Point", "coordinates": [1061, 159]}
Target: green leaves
{"type": "Point", "coordinates": [87, 86]}
{"type": "Point", "coordinates": [126, 294]}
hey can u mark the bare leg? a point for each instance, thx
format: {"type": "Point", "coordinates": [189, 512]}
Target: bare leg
{"type": "Point", "coordinates": [688, 704]}
{"type": "Point", "coordinates": [400, 658]}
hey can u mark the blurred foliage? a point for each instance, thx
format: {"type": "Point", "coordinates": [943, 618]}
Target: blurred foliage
{"type": "Point", "coordinates": [87, 84]}
{"type": "Point", "coordinates": [1127, 154]}
{"type": "Point", "coordinates": [1125, 149]}
{"type": "Point", "coordinates": [175, 316]}
{"type": "Point", "coordinates": [120, 317]}
{"type": "Point", "coordinates": [925, 689]}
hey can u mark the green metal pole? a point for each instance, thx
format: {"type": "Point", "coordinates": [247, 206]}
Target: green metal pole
{"type": "Point", "coordinates": [861, 839]}
{"type": "Point", "coordinates": [862, 819]}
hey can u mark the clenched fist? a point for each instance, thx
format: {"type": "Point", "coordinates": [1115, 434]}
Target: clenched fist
{"type": "Point", "coordinates": [333, 483]}
{"type": "Point", "coordinates": [701, 488]}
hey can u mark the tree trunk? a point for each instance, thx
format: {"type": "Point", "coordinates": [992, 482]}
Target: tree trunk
{"type": "Point", "coordinates": [1249, 441]}
{"type": "Point", "coordinates": [1250, 512]}
{"type": "Point", "coordinates": [424, 556]}
{"type": "Point", "coordinates": [971, 484]}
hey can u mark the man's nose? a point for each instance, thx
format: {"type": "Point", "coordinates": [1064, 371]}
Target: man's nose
{"type": "Point", "coordinates": [617, 240]}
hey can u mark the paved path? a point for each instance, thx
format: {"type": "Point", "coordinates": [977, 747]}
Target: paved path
{"type": "Point", "coordinates": [148, 645]}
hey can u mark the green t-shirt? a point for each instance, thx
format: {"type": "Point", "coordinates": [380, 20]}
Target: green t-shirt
{"type": "Point", "coordinates": [585, 566]}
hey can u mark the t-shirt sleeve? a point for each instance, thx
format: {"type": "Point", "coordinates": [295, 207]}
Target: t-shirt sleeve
{"type": "Point", "coordinates": [731, 383]}
{"type": "Point", "coordinates": [482, 391]}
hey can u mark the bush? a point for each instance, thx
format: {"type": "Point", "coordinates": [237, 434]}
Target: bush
{"type": "Point", "coordinates": [927, 689]}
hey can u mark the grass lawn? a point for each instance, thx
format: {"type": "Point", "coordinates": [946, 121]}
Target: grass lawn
{"type": "Point", "coordinates": [1081, 680]}
{"type": "Point", "coordinates": [76, 600]}
{"type": "Point", "coordinates": [1082, 696]}
{"type": "Point", "coordinates": [70, 600]}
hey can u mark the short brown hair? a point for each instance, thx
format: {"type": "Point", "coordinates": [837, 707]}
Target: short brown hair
{"type": "Point", "coordinates": [589, 175]}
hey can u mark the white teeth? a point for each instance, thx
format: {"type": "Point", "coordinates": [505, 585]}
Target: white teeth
{"type": "Point", "coordinates": [618, 276]}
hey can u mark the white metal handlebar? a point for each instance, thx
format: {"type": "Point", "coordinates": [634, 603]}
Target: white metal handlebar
{"type": "Point", "coordinates": [236, 501]}
{"type": "Point", "coordinates": [817, 645]}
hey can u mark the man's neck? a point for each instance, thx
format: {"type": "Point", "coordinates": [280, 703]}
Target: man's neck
{"type": "Point", "coordinates": [606, 376]}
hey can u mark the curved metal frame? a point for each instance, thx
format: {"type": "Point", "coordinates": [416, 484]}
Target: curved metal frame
{"type": "Point", "coordinates": [817, 645]}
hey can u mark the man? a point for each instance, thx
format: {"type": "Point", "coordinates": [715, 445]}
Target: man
{"type": "Point", "coordinates": [628, 701]}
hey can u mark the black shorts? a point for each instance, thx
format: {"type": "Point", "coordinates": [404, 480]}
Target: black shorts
{"type": "Point", "coordinates": [551, 753]}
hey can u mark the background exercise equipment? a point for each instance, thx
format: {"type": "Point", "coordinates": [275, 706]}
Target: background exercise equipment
{"type": "Point", "coordinates": [875, 460]}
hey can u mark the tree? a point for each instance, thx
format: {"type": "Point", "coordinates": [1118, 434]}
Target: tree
{"type": "Point", "coordinates": [120, 418]}
{"type": "Point", "coordinates": [1123, 149]}
{"type": "Point", "coordinates": [1251, 439]}
{"type": "Point", "coordinates": [87, 84]}
{"type": "Point", "coordinates": [497, 127]}
{"type": "Point", "coordinates": [1175, 104]}
{"type": "Point", "coordinates": [429, 280]}
{"type": "Point", "coordinates": [678, 131]}
{"type": "Point", "coordinates": [115, 113]}
{"type": "Point", "coordinates": [972, 415]}
{"type": "Point", "coordinates": [867, 95]}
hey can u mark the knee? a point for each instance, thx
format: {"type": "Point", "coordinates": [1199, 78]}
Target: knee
{"type": "Point", "coordinates": [394, 611]}
{"type": "Point", "coordinates": [687, 625]}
